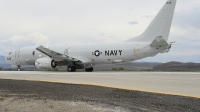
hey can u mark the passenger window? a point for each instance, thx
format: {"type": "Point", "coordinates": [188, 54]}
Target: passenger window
{"type": "Point", "coordinates": [33, 53]}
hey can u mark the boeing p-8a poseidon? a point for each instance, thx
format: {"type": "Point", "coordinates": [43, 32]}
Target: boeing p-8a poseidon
{"type": "Point", "coordinates": [79, 56]}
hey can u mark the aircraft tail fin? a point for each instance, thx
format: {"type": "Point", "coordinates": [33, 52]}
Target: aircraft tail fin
{"type": "Point", "coordinates": [160, 26]}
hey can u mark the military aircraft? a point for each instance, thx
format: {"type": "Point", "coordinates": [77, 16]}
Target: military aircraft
{"type": "Point", "coordinates": [152, 41]}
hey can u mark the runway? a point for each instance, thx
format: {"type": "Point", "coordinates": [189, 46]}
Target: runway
{"type": "Point", "coordinates": [174, 83]}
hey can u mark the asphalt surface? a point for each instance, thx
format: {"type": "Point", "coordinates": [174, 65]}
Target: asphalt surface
{"type": "Point", "coordinates": [174, 83]}
{"type": "Point", "coordinates": [129, 100]}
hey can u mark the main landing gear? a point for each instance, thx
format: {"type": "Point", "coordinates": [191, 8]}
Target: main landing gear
{"type": "Point", "coordinates": [89, 69]}
{"type": "Point", "coordinates": [71, 68]}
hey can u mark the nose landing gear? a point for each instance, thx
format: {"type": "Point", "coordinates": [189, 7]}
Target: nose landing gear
{"type": "Point", "coordinates": [18, 68]}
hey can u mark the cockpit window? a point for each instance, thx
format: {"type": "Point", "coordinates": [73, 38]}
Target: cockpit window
{"type": "Point", "coordinates": [8, 58]}
{"type": "Point", "coordinates": [10, 53]}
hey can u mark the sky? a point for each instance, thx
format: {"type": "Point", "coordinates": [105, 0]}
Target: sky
{"type": "Point", "coordinates": [51, 22]}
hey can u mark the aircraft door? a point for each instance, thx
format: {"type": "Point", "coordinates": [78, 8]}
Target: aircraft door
{"type": "Point", "coordinates": [17, 61]}
{"type": "Point", "coordinates": [66, 52]}
{"type": "Point", "coordinates": [16, 54]}
{"type": "Point", "coordinates": [135, 51]}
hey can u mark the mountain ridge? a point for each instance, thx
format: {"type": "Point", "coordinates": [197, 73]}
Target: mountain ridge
{"type": "Point", "coordinates": [173, 65]}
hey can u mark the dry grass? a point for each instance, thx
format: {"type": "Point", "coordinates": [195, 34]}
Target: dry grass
{"type": "Point", "coordinates": [2, 99]}
{"type": "Point", "coordinates": [15, 104]}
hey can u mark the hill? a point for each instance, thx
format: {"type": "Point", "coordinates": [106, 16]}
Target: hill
{"type": "Point", "coordinates": [127, 66]}
{"type": "Point", "coordinates": [177, 66]}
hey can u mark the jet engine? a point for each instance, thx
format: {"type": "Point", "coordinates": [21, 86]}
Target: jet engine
{"type": "Point", "coordinates": [45, 63]}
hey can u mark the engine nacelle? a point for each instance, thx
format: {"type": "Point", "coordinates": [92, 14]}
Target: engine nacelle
{"type": "Point", "coordinates": [45, 63]}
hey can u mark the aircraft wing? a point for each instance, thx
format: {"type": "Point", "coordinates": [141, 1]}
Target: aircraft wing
{"type": "Point", "coordinates": [48, 52]}
{"type": "Point", "coordinates": [61, 57]}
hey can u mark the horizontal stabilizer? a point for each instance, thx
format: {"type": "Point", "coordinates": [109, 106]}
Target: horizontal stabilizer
{"type": "Point", "coordinates": [159, 42]}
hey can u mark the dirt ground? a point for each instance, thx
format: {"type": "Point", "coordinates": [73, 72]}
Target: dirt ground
{"type": "Point", "coordinates": [33, 96]}
{"type": "Point", "coordinates": [16, 104]}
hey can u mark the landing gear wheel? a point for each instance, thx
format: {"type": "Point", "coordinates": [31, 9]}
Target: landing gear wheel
{"type": "Point", "coordinates": [71, 69]}
{"type": "Point", "coordinates": [18, 68]}
{"type": "Point", "coordinates": [89, 69]}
